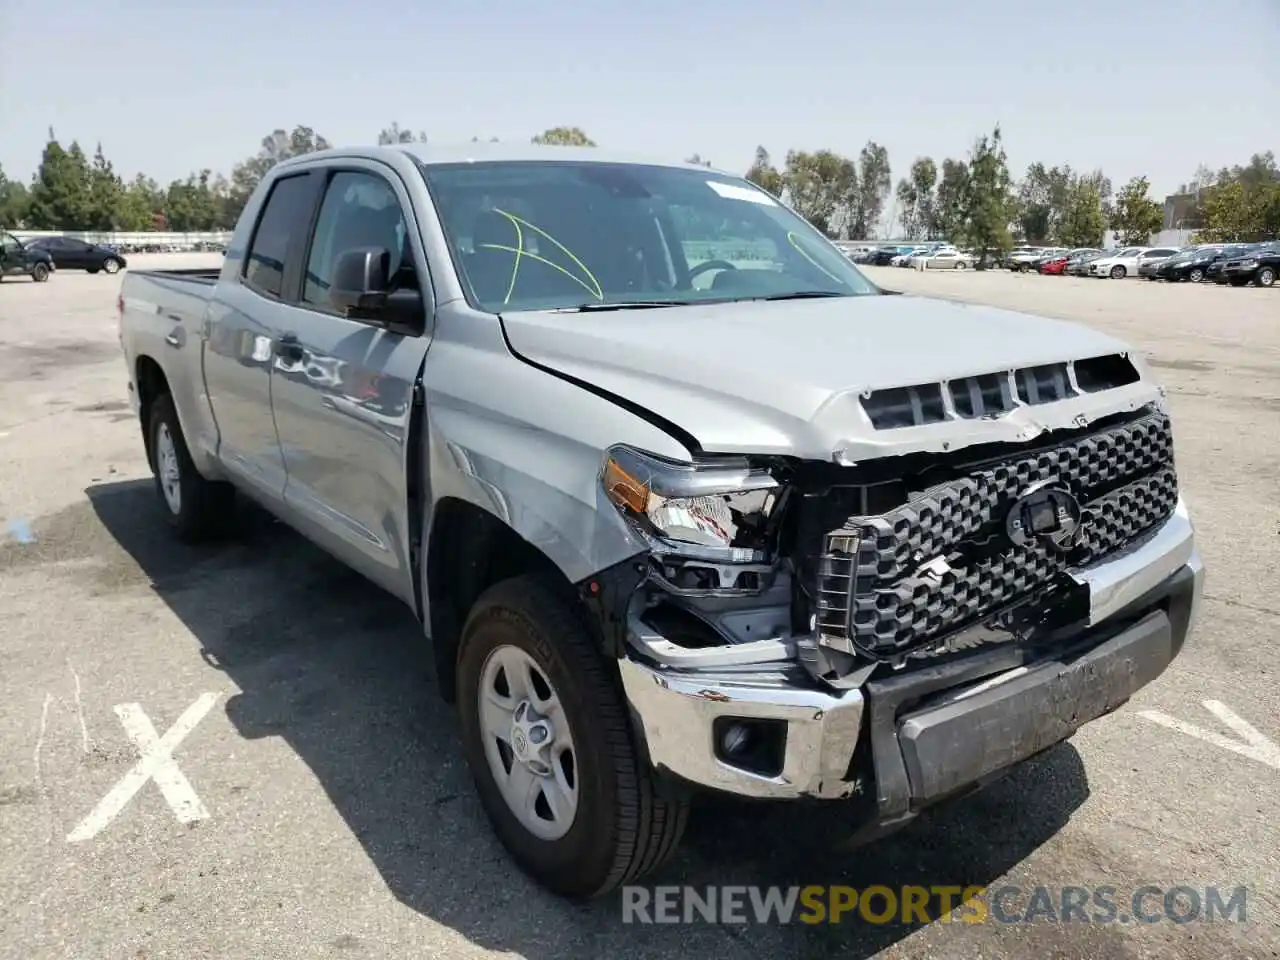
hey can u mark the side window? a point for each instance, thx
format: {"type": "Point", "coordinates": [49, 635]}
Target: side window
{"type": "Point", "coordinates": [359, 210]}
{"type": "Point", "coordinates": [283, 221]}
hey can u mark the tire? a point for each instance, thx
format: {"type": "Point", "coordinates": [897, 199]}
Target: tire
{"type": "Point", "coordinates": [1196, 275]}
{"type": "Point", "coordinates": [1118, 272]}
{"type": "Point", "coordinates": [1024, 268]}
{"type": "Point", "coordinates": [623, 825]}
{"type": "Point", "coordinates": [200, 508]}
{"type": "Point", "coordinates": [111, 265]}
{"type": "Point", "coordinates": [961, 265]}
{"type": "Point", "coordinates": [1266, 277]}
{"type": "Point", "coordinates": [40, 273]}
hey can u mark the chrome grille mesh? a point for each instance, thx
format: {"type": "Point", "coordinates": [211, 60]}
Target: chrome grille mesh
{"type": "Point", "coordinates": [874, 596]}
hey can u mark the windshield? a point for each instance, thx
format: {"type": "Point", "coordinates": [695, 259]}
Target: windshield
{"type": "Point", "coordinates": [545, 235]}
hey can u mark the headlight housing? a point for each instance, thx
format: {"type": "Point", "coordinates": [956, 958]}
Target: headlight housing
{"type": "Point", "coordinates": [1248, 264]}
{"type": "Point", "coordinates": [721, 512]}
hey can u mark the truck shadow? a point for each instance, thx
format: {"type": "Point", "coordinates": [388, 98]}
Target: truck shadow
{"type": "Point", "coordinates": [340, 670]}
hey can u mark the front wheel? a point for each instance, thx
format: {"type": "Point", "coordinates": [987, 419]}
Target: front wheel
{"type": "Point", "coordinates": [1266, 277]}
{"type": "Point", "coordinates": [111, 265]}
{"type": "Point", "coordinates": [40, 273]}
{"type": "Point", "coordinates": [1196, 275]}
{"type": "Point", "coordinates": [195, 507]}
{"type": "Point", "coordinates": [961, 265]}
{"type": "Point", "coordinates": [546, 735]}
{"type": "Point", "coordinates": [1118, 272]}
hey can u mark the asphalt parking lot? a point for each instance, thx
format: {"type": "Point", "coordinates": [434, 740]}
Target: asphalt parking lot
{"type": "Point", "coordinates": [314, 802]}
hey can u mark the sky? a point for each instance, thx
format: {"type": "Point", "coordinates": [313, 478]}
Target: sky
{"type": "Point", "coordinates": [170, 86]}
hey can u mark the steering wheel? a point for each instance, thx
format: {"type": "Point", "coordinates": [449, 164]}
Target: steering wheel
{"type": "Point", "coordinates": [706, 265]}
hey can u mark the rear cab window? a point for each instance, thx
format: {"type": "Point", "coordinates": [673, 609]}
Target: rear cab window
{"type": "Point", "coordinates": [284, 222]}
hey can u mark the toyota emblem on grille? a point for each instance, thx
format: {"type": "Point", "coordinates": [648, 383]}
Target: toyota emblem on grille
{"type": "Point", "coordinates": [1045, 513]}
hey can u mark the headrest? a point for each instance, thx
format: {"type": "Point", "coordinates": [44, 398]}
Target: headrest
{"type": "Point", "coordinates": [494, 228]}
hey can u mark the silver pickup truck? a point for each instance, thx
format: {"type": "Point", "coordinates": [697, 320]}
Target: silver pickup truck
{"type": "Point", "coordinates": [682, 499]}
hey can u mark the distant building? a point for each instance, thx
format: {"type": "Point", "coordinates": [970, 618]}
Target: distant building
{"type": "Point", "coordinates": [1183, 211]}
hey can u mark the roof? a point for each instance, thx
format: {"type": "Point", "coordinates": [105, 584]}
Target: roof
{"type": "Point", "coordinates": [433, 153]}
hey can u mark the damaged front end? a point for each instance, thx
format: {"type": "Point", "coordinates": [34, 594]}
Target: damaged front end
{"type": "Point", "coordinates": [903, 626]}
{"type": "Point", "coordinates": [848, 569]}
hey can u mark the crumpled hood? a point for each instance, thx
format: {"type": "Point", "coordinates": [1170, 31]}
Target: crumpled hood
{"type": "Point", "coordinates": [784, 377]}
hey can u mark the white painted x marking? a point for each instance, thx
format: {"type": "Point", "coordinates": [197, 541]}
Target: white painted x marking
{"type": "Point", "coordinates": [155, 762]}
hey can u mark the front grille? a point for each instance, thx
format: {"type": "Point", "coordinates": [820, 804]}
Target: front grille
{"type": "Point", "coordinates": [875, 594]}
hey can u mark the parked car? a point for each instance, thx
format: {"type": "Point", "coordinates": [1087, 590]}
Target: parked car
{"type": "Point", "coordinates": [1232, 254]}
{"type": "Point", "coordinates": [635, 582]}
{"type": "Point", "coordinates": [17, 258]}
{"type": "Point", "coordinates": [1128, 262]}
{"type": "Point", "coordinates": [1260, 265]}
{"type": "Point", "coordinates": [1078, 266]}
{"type": "Point", "coordinates": [71, 254]}
{"type": "Point", "coordinates": [1195, 265]}
{"type": "Point", "coordinates": [946, 260]}
{"type": "Point", "coordinates": [883, 257]}
{"type": "Point", "coordinates": [1055, 266]}
{"type": "Point", "coordinates": [904, 259]}
{"type": "Point", "coordinates": [1150, 267]}
{"type": "Point", "coordinates": [1023, 260]}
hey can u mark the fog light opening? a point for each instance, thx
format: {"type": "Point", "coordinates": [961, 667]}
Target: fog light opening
{"type": "Point", "coordinates": [756, 746]}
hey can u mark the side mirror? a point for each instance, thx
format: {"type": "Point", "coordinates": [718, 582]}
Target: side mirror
{"type": "Point", "coordinates": [361, 289]}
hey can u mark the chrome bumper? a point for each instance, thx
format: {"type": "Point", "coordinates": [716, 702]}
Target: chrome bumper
{"type": "Point", "coordinates": [675, 710]}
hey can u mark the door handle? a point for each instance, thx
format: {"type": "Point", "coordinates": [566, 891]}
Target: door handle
{"type": "Point", "coordinates": [172, 340]}
{"type": "Point", "coordinates": [287, 346]}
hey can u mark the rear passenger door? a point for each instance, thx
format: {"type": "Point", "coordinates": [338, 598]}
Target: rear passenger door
{"type": "Point", "coordinates": [242, 329]}
{"type": "Point", "coordinates": [343, 390]}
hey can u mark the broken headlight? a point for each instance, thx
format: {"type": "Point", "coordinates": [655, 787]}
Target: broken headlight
{"type": "Point", "coordinates": [720, 512]}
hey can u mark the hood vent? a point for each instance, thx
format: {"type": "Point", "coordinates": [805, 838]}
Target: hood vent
{"type": "Point", "coordinates": [992, 395]}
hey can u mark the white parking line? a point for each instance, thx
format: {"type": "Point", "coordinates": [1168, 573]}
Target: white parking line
{"type": "Point", "coordinates": [1252, 743]}
{"type": "Point", "coordinates": [155, 763]}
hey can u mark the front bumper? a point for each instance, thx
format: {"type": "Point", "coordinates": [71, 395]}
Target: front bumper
{"type": "Point", "coordinates": [924, 734]}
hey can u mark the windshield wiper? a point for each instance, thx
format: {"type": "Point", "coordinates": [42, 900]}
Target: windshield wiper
{"type": "Point", "coordinates": [600, 306]}
{"type": "Point", "coordinates": [804, 295]}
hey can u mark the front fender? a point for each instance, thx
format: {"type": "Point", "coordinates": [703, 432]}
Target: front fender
{"type": "Point", "coordinates": [527, 447]}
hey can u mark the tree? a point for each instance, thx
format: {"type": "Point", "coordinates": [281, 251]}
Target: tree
{"type": "Point", "coordinates": [1035, 211]}
{"type": "Point", "coordinates": [564, 137]}
{"type": "Point", "coordinates": [986, 203]}
{"type": "Point", "coordinates": [14, 202]}
{"type": "Point", "coordinates": [278, 146]}
{"type": "Point", "coordinates": [823, 188]}
{"type": "Point", "coordinates": [1135, 216]}
{"type": "Point", "coordinates": [764, 174]}
{"type": "Point", "coordinates": [393, 134]}
{"type": "Point", "coordinates": [60, 197]}
{"type": "Point", "coordinates": [1082, 222]}
{"type": "Point", "coordinates": [874, 181]}
{"type": "Point", "coordinates": [948, 204]}
{"type": "Point", "coordinates": [916, 197]}
{"type": "Point", "coordinates": [105, 194]}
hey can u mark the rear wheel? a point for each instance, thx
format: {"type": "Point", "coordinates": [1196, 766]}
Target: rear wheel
{"type": "Point", "coordinates": [1118, 272]}
{"type": "Point", "coordinates": [1196, 275]}
{"type": "Point", "coordinates": [1266, 277]}
{"type": "Point", "coordinates": [547, 738]}
{"type": "Point", "coordinates": [40, 273]}
{"type": "Point", "coordinates": [961, 265]}
{"type": "Point", "coordinates": [195, 507]}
